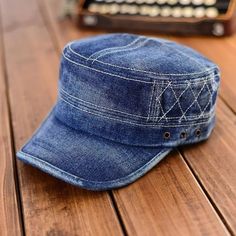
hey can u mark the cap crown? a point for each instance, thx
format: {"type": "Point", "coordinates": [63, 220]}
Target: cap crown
{"type": "Point", "coordinates": [137, 90]}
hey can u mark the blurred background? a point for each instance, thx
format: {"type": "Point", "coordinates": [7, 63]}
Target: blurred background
{"type": "Point", "coordinates": [185, 17]}
{"type": "Point", "coordinates": [191, 192]}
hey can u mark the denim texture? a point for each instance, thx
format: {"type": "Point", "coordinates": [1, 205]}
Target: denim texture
{"type": "Point", "coordinates": [124, 102]}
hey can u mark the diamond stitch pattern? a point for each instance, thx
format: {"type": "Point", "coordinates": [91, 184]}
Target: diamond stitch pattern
{"type": "Point", "coordinates": [171, 101]}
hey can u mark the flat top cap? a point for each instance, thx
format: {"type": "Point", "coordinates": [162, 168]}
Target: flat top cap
{"type": "Point", "coordinates": [124, 102]}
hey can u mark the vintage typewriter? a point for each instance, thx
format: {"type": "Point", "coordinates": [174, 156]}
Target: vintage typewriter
{"type": "Point", "coordinates": [209, 17]}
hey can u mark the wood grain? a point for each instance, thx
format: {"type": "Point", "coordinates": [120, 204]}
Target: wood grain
{"type": "Point", "coordinates": [9, 209]}
{"type": "Point", "coordinates": [214, 163]}
{"type": "Point", "coordinates": [146, 207]}
{"type": "Point", "coordinates": [19, 13]}
{"type": "Point", "coordinates": [50, 207]}
{"type": "Point", "coordinates": [167, 201]}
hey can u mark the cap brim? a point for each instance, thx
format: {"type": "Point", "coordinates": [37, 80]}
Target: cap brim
{"type": "Point", "coordinates": [86, 160]}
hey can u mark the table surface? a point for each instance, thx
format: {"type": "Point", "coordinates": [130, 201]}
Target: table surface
{"type": "Point", "coordinates": [191, 192]}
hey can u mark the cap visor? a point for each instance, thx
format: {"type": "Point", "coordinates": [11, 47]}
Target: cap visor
{"type": "Point", "coordinates": [86, 160]}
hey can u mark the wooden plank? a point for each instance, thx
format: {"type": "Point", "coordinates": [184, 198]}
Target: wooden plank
{"type": "Point", "coordinates": [167, 201]}
{"type": "Point", "coordinates": [177, 203]}
{"type": "Point", "coordinates": [50, 207]}
{"type": "Point", "coordinates": [10, 222]}
{"type": "Point", "coordinates": [20, 13]}
{"type": "Point", "coordinates": [214, 163]}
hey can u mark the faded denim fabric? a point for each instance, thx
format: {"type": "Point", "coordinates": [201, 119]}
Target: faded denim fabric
{"type": "Point", "coordinates": [125, 101]}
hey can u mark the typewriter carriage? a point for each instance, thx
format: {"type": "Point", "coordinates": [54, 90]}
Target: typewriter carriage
{"type": "Point", "coordinates": [223, 24]}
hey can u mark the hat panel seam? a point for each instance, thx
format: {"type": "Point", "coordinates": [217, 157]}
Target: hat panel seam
{"type": "Point", "coordinates": [194, 101]}
{"type": "Point", "coordinates": [107, 73]}
{"type": "Point", "coordinates": [132, 47]}
{"type": "Point", "coordinates": [139, 70]}
{"type": "Point", "coordinates": [91, 57]}
{"type": "Point", "coordinates": [98, 106]}
{"type": "Point", "coordinates": [139, 124]}
{"type": "Point", "coordinates": [178, 102]}
{"type": "Point", "coordinates": [158, 104]}
{"type": "Point", "coordinates": [172, 106]}
{"type": "Point", "coordinates": [69, 98]}
{"type": "Point", "coordinates": [150, 105]}
{"type": "Point", "coordinates": [194, 81]}
{"type": "Point", "coordinates": [196, 97]}
{"type": "Point", "coordinates": [210, 102]}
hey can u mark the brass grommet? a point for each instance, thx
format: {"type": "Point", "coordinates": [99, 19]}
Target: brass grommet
{"type": "Point", "coordinates": [183, 135]}
{"type": "Point", "coordinates": [166, 135]}
{"type": "Point", "coordinates": [198, 132]}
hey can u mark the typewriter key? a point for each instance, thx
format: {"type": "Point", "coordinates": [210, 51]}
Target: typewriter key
{"type": "Point", "coordinates": [133, 10]}
{"type": "Point", "coordinates": [114, 8]}
{"type": "Point", "coordinates": [161, 1]}
{"type": "Point", "coordinates": [188, 12]}
{"type": "Point", "coordinates": [144, 10]}
{"type": "Point", "coordinates": [212, 12]}
{"type": "Point", "coordinates": [176, 12]}
{"type": "Point", "coordinates": [124, 9]}
{"type": "Point", "coordinates": [197, 2]}
{"type": "Point", "coordinates": [184, 2]}
{"type": "Point", "coordinates": [199, 12]}
{"type": "Point", "coordinates": [104, 8]}
{"type": "Point", "coordinates": [150, 1]}
{"type": "Point", "coordinates": [172, 2]}
{"type": "Point", "coordinates": [130, 1]}
{"type": "Point", "coordinates": [119, 1]}
{"type": "Point", "coordinates": [165, 11]}
{"type": "Point", "coordinates": [140, 1]}
{"type": "Point", "coordinates": [154, 11]}
{"type": "Point", "coordinates": [93, 7]}
{"type": "Point", "coordinates": [209, 2]}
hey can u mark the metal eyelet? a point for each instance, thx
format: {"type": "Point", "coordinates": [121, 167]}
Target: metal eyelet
{"type": "Point", "coordinates": [166, 135]}
{"type": "Point", "coordinates": [183, 135]}
{"type": "Point", "coordinates": [198, 132]}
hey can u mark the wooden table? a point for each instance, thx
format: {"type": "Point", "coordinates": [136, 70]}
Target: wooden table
{"type": "Point", "coordinates": [191, 192]}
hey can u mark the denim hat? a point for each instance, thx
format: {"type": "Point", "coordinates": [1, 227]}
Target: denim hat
{"type": "Point", "coordinates": [125, 101]}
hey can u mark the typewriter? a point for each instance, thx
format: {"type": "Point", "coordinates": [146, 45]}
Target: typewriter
{"type": "Point", "coordinates": [206, 17]}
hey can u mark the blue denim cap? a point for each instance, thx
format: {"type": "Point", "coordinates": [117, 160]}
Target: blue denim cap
{"type": "Point", "coordinates": [125, 101]}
